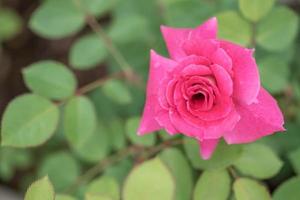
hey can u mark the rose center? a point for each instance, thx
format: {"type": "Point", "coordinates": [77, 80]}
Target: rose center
{"type": "Point", "coordinates": [198, 97]}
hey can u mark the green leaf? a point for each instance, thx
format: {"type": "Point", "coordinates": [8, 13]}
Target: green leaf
{"type": "Point", "coordinates": [131, 131]}
{"type": "Point", "coordinates": [274, 73]}
{"type": "Point", "coordinates": [123, 29]}
{"type": "Point", "coordinates": [234, 28]}
{"type": "Point", "coordinates": [245, 189]}
{"type": "Point", "coordinates": [175, 12]}
{"type": "Point", "coordinates": [12, 159]}
{"type": "Point", "coordinates": [56, 19]}
{"type": "Point", "coordinates": [50, 79]}
{"type": "Point", "coordinates": [120, 170]}
{"type": "Point", "coordinates": [10, 24]}
{"type": "Point", "coordinates": [64, 197]}
{"type": "Point", "coordinates": [294, 157]}
{"type": "Point", "coordinates": [99, 7]}
{"type": "Point", "coordinates": [223, 156]}
{"type": "Point", "coordinates": [61, 168]}
{"type": "Point", "coordinates": [259, 161]}
{"type": "Point", "coordinates": [148, 181]}
{"type": "Point", "coordinates": [288, 190]}
{"type": "Point", "coordinates": [181, 170]}
{"type": "Point", "coordinates": [80, 120]}
{"type": "Point", "coordinates": [41, 189]}
{"type": "Point", "coordinates": [281, 143]}
{"type": "Point", "coordinates": [116, 133]}
{"type": "Point", "coordinates": [254, 10]}
{"type": "Point", "coordinates": [117, 91]}
{"type": "Point", "coordinates": [96, 147]}
{"type": "Point", "coordinates": [29, 120]}
{"type": "Point", "coordinates": [278, 30]}
{"type": "Point", "coordinates": [87, 52]}
{"type": "Point", "coordinates": [104, 186]}
{"type": "Point", "coordinates": [218, 180]}
{"type": "Point", "coordinates": [97, 197]}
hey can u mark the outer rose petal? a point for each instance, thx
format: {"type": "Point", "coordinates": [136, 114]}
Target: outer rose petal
{"type": "Point", "coordinates": [207, 147]}
{"type": "Point", "coordinates": [257, 120]}
{"type": "Point", "coordinates": [158, 67]}
{"type": "Point", "coordinates": [175, 37]}
{"type": "Point", "coordinates": [246, 77]}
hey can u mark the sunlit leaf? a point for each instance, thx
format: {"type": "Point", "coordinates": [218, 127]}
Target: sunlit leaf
{"type": "Point", "coordinates": [29, 120]}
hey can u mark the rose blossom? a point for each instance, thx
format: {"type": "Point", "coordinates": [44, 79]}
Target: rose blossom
{"type": "Point", "coordinates": [207, 90]}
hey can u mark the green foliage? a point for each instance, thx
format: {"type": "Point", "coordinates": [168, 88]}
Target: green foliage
{"type": "Point", "coordinates": [99, 7]}
{"type": "Point", "coordinates": [131, 132]}
{"type": "Point", "coordinates": [294, 158]}
{"type": "Point", "coordinates": [224, 156]}
{"type": "Point", "coordinates": [94, 148]}
{"type": "Point", "coordinates": [258, 161]}
{"type": "Point", "coordinates": [41, 189]}
{"type": "Point", "coordinates": [63, 197]}
{"type": "Point", "coordinates": [61, 168]}
{"type": "Point", "coordinates": [274, 73]}
{"type": "Point", "coordinates": [120, 170]}
{"type": "Point", "coordinates": [148, 181]}
{"type": "Point", "coordinates": [124, 29]}
{"type": "Point", "coordinates": [181, 170]}
{"type": "Point", "coordinates": [10, 24]}
{"type": "Point", "coordinates": [270, 30]}
{"type": "Point", "coordinates": [234, 28]}
{"type": "Point", "coordinates": [218, 180]}
{"type": "Point", "coordinates": [117, 133]}
{"type": "Point", "coordinates": [50, 79]}
{"type": "Point", "coordinates": [117, 91]}
{"type": "Point", "coordinates": [104, 186]}
{"type": "Point", "coordinates": [94, 128]}
{"type": "Point", "coordinates": [80, 120]}
{"type": "Point", "coordinates": [29, 120]}
{"type": "Point", "coordinates": [254, 10]}
{"type": "Point", "coordinates": [12, 159]}
{"type": "Point", "coordinates": [57, 19]}
{"type": "Point", "coordinates": [289, 188]}
{"type": "Point", "coordinates": [87, 52]}
{"type": "Point", "coordinates": [245, 189]}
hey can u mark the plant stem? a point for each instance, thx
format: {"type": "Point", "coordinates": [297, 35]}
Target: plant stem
{"type": "Point", "coordinates": [233, 173]}
{"type": "Point", "coordinates": [119, 156]}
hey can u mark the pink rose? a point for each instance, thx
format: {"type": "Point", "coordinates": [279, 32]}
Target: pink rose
{"type": "Point", "coordinates": [207, 90]}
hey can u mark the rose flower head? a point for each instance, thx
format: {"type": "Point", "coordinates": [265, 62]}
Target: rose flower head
{"type": "Point", "coordinates": [208, 89]}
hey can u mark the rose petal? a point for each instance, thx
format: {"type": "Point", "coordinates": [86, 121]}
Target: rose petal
{"type": "Point", "coordinates": [224, 81]}
{"type": "Point", "coordinates": [175, 37]}
{"type": "Point", "coordinates": [208, 30]}
{"type": "Point", "coordinates": [184, 127]}
{"type": "Point", "coordinates": [158, 67]}
{"type": "Point", "coordinates": [257, 120]}
{"type": "Point", "coordinates": [205, 48]}
{"type": "Point", "coordinates": [246, 77]}
{"type": "Point", "coordinates": [164, 121]}
{"type": "Point", "coordinates": [221, 58]}
{"type": "Point", "coordinates": [207, 147]}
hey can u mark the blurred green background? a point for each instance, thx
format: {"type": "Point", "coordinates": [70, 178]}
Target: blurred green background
{"type": "Point", "coordinates": [85, 62]}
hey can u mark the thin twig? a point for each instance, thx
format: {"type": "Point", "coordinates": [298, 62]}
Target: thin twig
{"type": "Point", "coordinates": [233, 173]}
